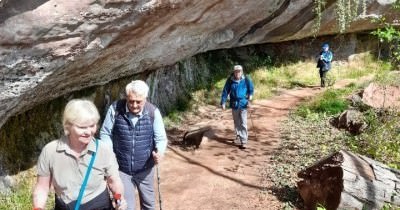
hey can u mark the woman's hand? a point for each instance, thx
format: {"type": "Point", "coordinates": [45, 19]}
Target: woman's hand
{"type": "Point", "coordinates": [120, 204]}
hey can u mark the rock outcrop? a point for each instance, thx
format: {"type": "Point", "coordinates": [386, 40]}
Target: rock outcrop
{"type": "Point", "coordinates": [350, 120]}
{"type": "Point", "coordinates": [51, 47]}
{"type": "Point", "coordinates": [382, 96]}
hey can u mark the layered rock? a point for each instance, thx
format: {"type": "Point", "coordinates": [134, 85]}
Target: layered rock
{"type": "Point", "coordinates": [51, 47]}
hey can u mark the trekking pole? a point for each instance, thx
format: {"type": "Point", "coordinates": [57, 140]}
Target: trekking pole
{"type": "Point", "coordinates": [252, 123]}
{"type": "Point", "coordinates": [158, 182]}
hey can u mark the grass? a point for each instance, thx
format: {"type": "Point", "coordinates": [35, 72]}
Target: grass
{"type": "Point", "coordinates": [381, 141]}
{"type": "Point", "coordinates": [20, 197]}
{"type": "Point", "coordinates": [328, 103]}
{"type": "Point", "coordinates": [361, 66]}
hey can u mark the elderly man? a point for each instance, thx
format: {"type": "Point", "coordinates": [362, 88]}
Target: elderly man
{"type": "Point", "coordinates": [135, 129]}
{"type": "Point", "coordinates": [240, 90]}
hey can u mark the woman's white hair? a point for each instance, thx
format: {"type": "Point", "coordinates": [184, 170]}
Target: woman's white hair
{"type": "Point", "coordinates": [138, 87]}
{"type": "Point", "coordinates": [79, 110]}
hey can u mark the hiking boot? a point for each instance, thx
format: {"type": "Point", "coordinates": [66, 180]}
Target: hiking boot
{"type": "Point", "coordinates": [237, 140]}
{"type": "Point", "coordinates": [242, 146]}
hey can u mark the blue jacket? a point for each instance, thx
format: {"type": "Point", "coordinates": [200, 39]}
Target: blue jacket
{"type": "Point", "coordinates": [324, 63]}
{"type": "Point", "coordinates": [133, 145]}
{"type": "Point", "coordinates": [238, 90]}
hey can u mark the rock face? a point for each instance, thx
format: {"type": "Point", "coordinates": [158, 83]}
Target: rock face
{"type": "Point", "coordinates": [49, 48]}
{"type": "Point", "coordinates": [24, 135]}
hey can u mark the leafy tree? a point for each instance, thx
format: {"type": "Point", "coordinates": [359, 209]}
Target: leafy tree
{"type": "Point", "coordinates": [388, 34]}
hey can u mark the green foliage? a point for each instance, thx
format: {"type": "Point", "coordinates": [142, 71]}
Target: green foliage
{"type": "Point", "coordinates": [389, 206]}
{"type": "Point", "coordinates": [183, 103]}
{"type": "Point", "coordinates": [362, 66]}
{"type": "Point", "coordinates": [387, 78]}
{"type": "Point", "coordinates": [174, 117]}
{"type": "Point", "coordinates": [386, 34]}
{"type": "Point", "coordinates": [396, 4]}
{"type": "Point", "coordinates": [346, 12]}
{"type": "Point", "coordinates": [330, 102]}
{"type": "Point", "coordinates": [330, 79]}
{"type": "Point", "coordinates": [389, 34]}
{"type": "Point", "coordinates": [20, 197]}
{"type": "Point", "coordinates": [219, 63]}
{"type": "Point", "coordinates": [259, 61]}
{"type": "Point", "coordinates": [320, 207]}
{"type": "Point", "coordinates": [381, 140]}
{"type": "Point", "coordinates": [317, 9]}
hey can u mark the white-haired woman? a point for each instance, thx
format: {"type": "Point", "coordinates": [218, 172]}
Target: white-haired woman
{"type": "Point", "coordinates": [64, 164]}
{"type": "Point", "coordinates": [135, 129]}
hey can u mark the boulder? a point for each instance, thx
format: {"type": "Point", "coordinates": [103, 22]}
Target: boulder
{"type": "Point", "coordinates": [382, 96]}
{"type": "Point", "coordinates": [350, 120]}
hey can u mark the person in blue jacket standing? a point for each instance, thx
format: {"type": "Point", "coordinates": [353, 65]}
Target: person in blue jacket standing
{"type": "Point", "coordinates": [240, 90]}
{"type": "Point", "coordinates": [324, 63]}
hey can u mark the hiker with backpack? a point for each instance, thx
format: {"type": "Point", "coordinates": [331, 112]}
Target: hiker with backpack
{"type": "Point", "coordinates": [240, 90]}
{"type": "Point", "coordinates": [82, 170]}
{"type": "Point", "coordinates": [134, 128]}
{"type": "Point", "coordinates": [324, 63]}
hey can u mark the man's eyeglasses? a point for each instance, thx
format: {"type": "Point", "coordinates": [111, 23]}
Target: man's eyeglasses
{"type": "Point", "coordinates": [132, 102]}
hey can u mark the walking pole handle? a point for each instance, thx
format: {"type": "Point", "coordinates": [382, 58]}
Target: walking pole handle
{"type": "Point", "coordinates": [117, 198]}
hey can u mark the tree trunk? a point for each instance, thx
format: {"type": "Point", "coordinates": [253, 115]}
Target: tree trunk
{"type": "Point", "coordinates": [345, 180]}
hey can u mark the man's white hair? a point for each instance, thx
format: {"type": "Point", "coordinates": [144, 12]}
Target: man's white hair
{"type": "Point", "coordinates": [138, 87]}
{"type": "Point", "coordinates": [238, 68]}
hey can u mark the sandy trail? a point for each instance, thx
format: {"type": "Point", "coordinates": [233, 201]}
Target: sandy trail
{"type": "Point", "coordinates": [218, 175]}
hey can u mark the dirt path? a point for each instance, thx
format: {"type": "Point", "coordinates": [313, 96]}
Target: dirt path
{"type": "Point", "coordinates": [218, 175]}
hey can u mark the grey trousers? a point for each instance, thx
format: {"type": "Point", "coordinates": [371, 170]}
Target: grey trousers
{"type": "Point", "coordinates": [240, 123]}
{"type": "Point", "coordinates": [144, 182]}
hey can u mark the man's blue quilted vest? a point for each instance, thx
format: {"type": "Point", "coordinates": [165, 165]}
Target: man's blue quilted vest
{"type": "Point", "coordinates": [133, 145]}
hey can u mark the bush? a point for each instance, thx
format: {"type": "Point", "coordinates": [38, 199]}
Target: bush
{"type": "Point", "coordinates": [381, 141]}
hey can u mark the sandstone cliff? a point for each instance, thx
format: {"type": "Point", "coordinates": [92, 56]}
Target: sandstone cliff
{"type": "Point", "coordinates": [50, 48]}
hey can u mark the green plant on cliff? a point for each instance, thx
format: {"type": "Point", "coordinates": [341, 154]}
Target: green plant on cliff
{"type": "Point", "coordinates": [346, 11]}
{"type": "Point", "coordinates": [389, 34]}
{"type": "Point", "coordinates": [317, 9]}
